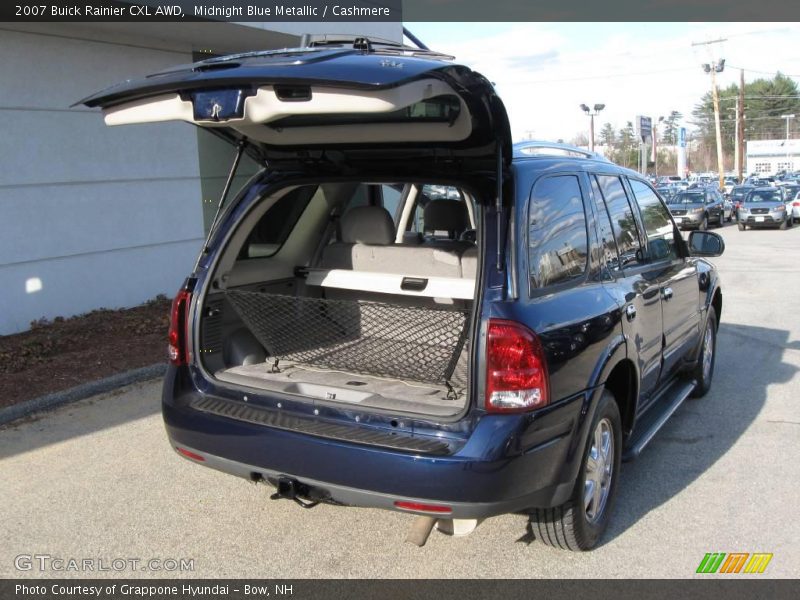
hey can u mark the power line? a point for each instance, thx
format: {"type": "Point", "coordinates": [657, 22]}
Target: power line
{"type": "Point", "coordinates": [764, 72]}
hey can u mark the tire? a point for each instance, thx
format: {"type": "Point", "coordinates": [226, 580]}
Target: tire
{"type": "Point", "coordinates": [783, 225]}
{"type": "Point", "coordinates": [703, 224]}
{"type": "Point", "coordinates": [742, 226]}
{"type": "Point", "coordinates": [572, 526]}
{"type": "Point", "coordinates": [704, 371]}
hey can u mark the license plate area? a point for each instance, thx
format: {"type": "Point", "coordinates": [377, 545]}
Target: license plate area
{"type": "Point", "coordinates": [759, 219]}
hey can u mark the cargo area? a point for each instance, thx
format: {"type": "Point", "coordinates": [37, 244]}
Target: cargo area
{"type": "Point", "coordinates": [367, 305]}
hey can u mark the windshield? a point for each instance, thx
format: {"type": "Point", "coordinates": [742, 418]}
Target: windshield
{"type": "Point", "coordinates": [687, 198]}
{"type": "Point", "coordinates": [740, 193]}
{"type": "Point", "coordinates": [764, 196]}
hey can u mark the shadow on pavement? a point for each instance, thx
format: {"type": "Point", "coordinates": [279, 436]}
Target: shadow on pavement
{"type": "Point", "coordinates": [81, 418]}
{"type": "Point", "coordinates": [749, 360]}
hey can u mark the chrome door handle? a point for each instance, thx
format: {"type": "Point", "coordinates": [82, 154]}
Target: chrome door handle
{"type": "Point", "coordinates": [667, 293]}
{"type": "Point", "coordinates": [630, 312]}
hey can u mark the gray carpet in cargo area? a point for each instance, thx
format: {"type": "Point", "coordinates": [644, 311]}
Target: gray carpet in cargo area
{"type": "Point", "coordinates": [339, 387]}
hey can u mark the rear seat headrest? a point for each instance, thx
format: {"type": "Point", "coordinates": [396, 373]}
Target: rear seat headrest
{"type": "Point", "coordinates": [367, 225]}
{"type": "Point", "coordinates": [446, 215]}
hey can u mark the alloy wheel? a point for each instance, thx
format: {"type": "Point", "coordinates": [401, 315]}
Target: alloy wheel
{"type": "Point", "coordinates": [599, 471]}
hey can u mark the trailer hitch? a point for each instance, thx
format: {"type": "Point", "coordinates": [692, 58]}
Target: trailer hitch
{"type": "Point", "coordinates": [291, 489]}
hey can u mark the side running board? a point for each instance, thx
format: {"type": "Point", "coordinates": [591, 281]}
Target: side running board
{"type": "Point", "coordinates": [655, 418]}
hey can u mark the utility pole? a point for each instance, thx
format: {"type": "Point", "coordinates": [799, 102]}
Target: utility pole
{"type": "Point", "coordinates": [740, 126]}
{"type": "Point", "coordinates": [714, 68]}
{"type": "Point", "coordinates": [736, 156]}
{"type": "Point", "coordinates": [786, 143]}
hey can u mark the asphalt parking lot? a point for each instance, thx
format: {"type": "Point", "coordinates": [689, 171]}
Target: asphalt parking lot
{"type": "Point", "coordinates": [97, 479]}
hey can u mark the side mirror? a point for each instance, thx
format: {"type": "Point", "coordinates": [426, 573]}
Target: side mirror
{"type": "Point", "coordinates": [706, 243]}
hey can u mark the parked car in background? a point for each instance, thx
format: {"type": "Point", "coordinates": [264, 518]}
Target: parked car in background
{"type": "Point", "coordinates": [794, 206]}
{"type": "Point", "coordinates": [760, 181]}
{"type": "Point", "coordinates": [737, 196]}
{"type": "Point", "coordinates": [548, 321]}
{"type": "Point", "coordinates": [789, 190]}
{"type": "Point", "coordinates": [697, 208]}
{"type": "Point", "coordinates": [667, 191]}
{"type": "Point", "coordinates": [727, 208]}
{"type": "Point", "coordinates": [764, 207]}
{"type": "Point", "coordinates": [730, 183]}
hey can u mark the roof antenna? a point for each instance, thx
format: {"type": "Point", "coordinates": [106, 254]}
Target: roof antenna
{"type": "Point", "coordinates": [414, 39]}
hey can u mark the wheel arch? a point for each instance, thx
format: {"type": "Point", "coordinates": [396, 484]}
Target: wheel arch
{"type": "Point", "coordinates": [619, 375]}
{"type": "Point", "coordinates": [623, 383]}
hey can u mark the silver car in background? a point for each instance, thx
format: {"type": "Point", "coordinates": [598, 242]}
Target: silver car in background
{"type": "Point", "coordinates": [697, 208]}
{"type": "Point", "coordinates": [764, 207]}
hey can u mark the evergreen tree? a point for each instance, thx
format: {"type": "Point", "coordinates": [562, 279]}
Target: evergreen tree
{"type": "Point", "coordinates": [608, 137]}
{"type": "Point", "coordinates": [669, 134]}
{"type": "Point", "coordinates": [765, 101]}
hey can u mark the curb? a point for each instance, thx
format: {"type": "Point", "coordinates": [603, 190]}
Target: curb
{"type": "Point", "coordinates": [85, 390]}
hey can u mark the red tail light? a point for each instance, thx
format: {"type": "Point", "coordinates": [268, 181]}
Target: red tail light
{"type": "Point", "coordinates": [795, 203]}
{"type": "Point", "coordinates": [190, 454]}
{"type": "Point", "coordinates": [178, 350]}
{"type": "Point", "coordinates": [516, 369]}
{"type": "Point", "coordinates": [418, 506]}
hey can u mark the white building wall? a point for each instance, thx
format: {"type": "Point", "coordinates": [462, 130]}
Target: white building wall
{"type": "Point", "coordinates": [91, 216]}
{"type": "Point", "coordinates": [94, 216]}
{"type": "Point", "coordinates": [768, 157]}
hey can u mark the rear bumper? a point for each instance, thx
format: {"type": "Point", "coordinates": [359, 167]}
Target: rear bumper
{"type": "Point", "coordinates": [508, 463]}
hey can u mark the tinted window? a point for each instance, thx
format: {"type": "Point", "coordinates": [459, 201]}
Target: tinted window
{"type": "Point", "coordinates": [360, 197]}
{"type": "Point", "coordinates": [391, 195]}
{"type": "Point", "coordinates": [657, 223]}
{"type": "Point", "coordinates": [607, 241]}
{"type": "Point", "coordinates": [432, 193]}
{"type": "Point", "coordinates": [557, 239]}
{"type": "Point", "coordinates": [771, 195]}
{"type": "Point", "coordinates": [275, 225]}
{"type": "Point", "coordinates": [687, 198]}
{"type": "Point", "coordinates": [622, 220]}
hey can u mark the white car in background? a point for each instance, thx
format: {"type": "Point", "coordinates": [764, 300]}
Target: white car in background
{"type": "Point", "coordinates": [794, 207]}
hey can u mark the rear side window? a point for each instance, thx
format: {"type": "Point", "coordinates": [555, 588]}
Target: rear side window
{"type": "Point", "coordinates": [607, 239]}
{"type": "Point", "coordinates": [391, 196]}
{"type": "Point", "coordinates": [435, 193]}
{"type": "Point", "coordinates": [275, 225]}
{"type": "Point", "coordinates": [657, 223]}
{"type": "Point", "coordinates": [557, 234]}
{"type": "Point", "coordinates": [623, 222]}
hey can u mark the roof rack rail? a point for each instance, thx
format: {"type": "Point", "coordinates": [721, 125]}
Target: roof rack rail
{"type": "Point", "coordinates": [540, 147]}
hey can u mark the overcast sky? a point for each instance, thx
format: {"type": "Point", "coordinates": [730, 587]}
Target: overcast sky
{"type": "Point", "coordinates": [543, 71]}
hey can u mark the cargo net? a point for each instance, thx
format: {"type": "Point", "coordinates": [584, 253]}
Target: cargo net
{"type": "Point", "coordinates": [370, 338]}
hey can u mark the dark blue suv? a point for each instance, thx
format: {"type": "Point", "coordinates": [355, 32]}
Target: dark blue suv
{"type": "Point", "coordinates": [401, 310]}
